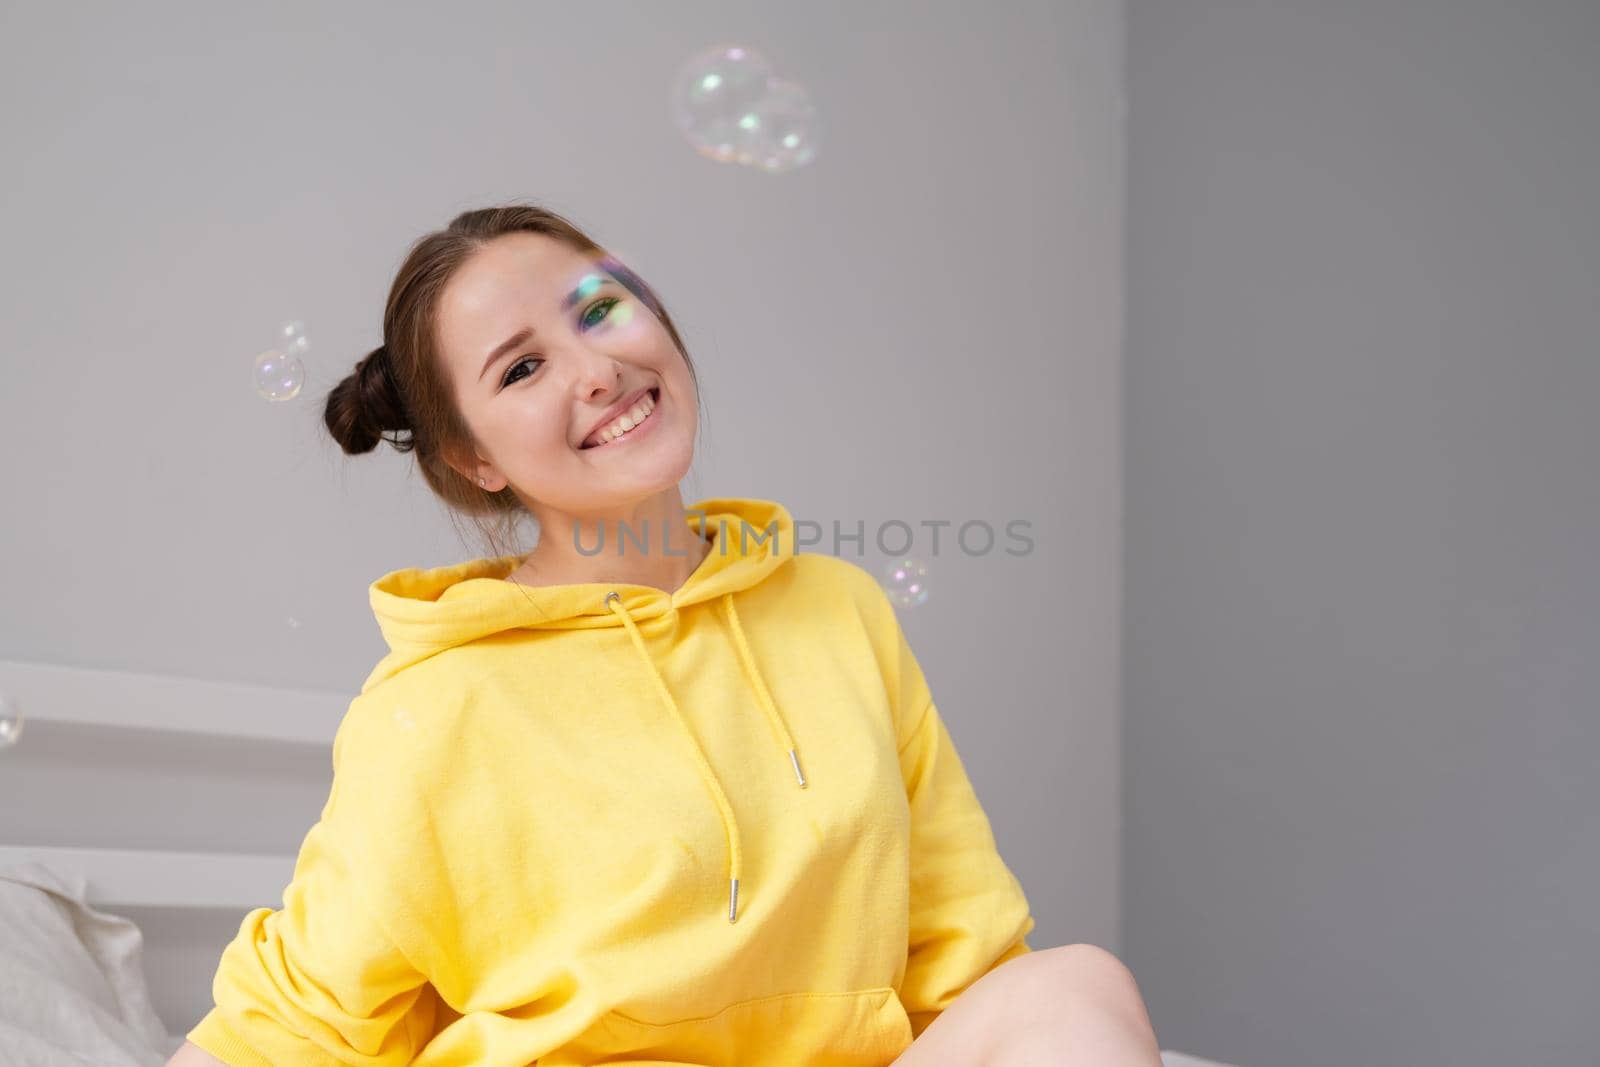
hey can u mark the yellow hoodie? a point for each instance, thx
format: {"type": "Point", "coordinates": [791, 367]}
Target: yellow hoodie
{"type": "Point", "coordinates": [602, 823]}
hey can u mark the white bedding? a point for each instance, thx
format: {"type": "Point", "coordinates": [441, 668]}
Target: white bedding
{"type": "Point", "coordinates": [1179, 1059]}
{"type": "Point", "coordinates": [72, 985]}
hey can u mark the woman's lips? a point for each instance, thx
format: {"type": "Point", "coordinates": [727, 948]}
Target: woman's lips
{"type": "Point", "coordinates": [655, 405]}
{"type": "Point", "coordinates": [625, 405]}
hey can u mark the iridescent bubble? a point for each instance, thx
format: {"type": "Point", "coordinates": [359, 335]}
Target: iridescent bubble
{"type": "Point", "coordinates": [714, 99]}
{"type": "Point", "coordinates": [784, 130]}
{"type": "Point", "coordinates": [10, 722]}
{"type": "Point", "coordinates": [278, 376]}
{"type": "Point", "coordinates": [292, 340]}
{"type": "Point", "coordinates": [906, 582]}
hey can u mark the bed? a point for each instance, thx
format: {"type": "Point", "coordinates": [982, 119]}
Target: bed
{"type": "Point", "coordinates": [125, 862]}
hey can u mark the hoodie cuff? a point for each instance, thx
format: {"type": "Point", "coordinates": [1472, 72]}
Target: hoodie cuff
{"type": "Point", "coordinates": [212, 1035]}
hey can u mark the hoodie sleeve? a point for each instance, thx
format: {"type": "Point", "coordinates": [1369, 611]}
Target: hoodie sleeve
{"type": "Point", "coordinates": [320, 982]}
{"type": "Point", "coordinates": [968, 911]}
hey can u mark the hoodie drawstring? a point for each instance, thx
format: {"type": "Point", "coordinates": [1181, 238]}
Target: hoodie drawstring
{"type": "Point", "coordinates": [785, 741]}
{"type": "Point", "coordinates": [707, 774]}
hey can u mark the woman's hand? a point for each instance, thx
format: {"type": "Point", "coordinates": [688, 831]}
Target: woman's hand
{"type": "Point", "coordinates": [192, 1055]}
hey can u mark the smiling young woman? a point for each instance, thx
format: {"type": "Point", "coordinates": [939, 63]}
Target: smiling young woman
{"type": "Point", "coordinates": [512, 339]}
{"type": "Point", "coordinates": [691, 804]}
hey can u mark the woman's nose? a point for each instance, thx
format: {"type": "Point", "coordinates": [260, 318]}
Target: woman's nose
{"type": "Point", "coordinates": [598, 373]}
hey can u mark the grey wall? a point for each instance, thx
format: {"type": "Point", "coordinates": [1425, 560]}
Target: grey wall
{"type": "Point", "coordinates": [922, 325]}
{"type": "Point", "coordinates": [1362, 519]}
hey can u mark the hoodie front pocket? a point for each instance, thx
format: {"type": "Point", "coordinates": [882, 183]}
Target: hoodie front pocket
{"type": "Point", "coordinates": [860, 1028]}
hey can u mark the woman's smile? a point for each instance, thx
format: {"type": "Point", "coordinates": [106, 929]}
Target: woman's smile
{"type": "Point", "coordinates": [626, 428]}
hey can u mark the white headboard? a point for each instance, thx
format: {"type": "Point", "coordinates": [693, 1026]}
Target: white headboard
{"type": "Point", "coordinates": [206, 765]}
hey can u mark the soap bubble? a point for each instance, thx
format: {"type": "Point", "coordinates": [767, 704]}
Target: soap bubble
{"type": "Point", "coordinates": [292, 340]}
{"type": "Point", "coordinates": [10, 722]}
{"type": "Point", "coordinates": [733, 108]}
{"type": "Point", "coordinates": [714, 100]}
{"type": "Point", "coordinates": [906, 582]}
{"type": "Point", "coordinates": [278, 376]}
{"type": "Point", "coordinates": [784, 129]}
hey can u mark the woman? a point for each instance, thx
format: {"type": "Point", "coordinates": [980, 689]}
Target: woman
{"type": "Point", "coordinates": [661, 790]}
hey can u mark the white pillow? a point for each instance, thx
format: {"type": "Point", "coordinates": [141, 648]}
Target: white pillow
{"type": "Point", "coordinates": [72, 985]}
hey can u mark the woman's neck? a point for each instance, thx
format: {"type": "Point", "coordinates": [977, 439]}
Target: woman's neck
{"type": "Point", "coordinates": [665, 567]}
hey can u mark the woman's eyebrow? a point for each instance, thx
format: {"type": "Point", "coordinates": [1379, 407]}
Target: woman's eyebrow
{"type": "Point", "coordinates": [590, 283]}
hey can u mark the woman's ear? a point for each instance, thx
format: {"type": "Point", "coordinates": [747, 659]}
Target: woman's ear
{"type": "Point", "coordinates": [469, 467]}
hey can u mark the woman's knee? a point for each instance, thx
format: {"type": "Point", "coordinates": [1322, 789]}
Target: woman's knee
{"type": "Point", "coordinates": [995, 1004]}
{"type": "Point", "coordinates": [1085, 996]}
{"type": "Point", "coordinates": [1045, 979]}
{"type": "Point", "coordinates": [1030, 994]}
{"type": "Point", "coordinates": [1096, 968]}
{"type": "Point", "coordinates": [1100, 977]}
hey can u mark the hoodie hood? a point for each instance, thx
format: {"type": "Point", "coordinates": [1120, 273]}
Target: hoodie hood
{"type": "Point", "coordinates": [424, 612]}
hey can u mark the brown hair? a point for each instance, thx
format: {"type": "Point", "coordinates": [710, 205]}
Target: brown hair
{"type": "Point", "coordinates": [402, 386]}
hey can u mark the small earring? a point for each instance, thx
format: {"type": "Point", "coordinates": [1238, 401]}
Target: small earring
{"type": "Point", "coordinates": [480, 481]}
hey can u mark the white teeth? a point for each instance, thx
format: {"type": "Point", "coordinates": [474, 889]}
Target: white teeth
{"type": "Point", "coordinates": [626, 421]}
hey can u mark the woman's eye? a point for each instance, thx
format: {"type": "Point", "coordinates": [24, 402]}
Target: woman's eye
{"type": "Point", "coordinates": [508, 380]}
{"type": "Point", "coordinates": [590, 320]}
{"type": "Point", "coordinates": [605, 304]}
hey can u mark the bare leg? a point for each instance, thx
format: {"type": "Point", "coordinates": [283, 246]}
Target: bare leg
{"type": "Point", "coordinates": [1091, 1037]}
{"type": "Point", "coordinates": [1075, 1004]}
{"type": "Point", "coordinates": [966, 1030]}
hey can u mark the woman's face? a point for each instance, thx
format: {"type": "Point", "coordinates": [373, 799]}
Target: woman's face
{"type": "Point", "coordinates": [583, 344]}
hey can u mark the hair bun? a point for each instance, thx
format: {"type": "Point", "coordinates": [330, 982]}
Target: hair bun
{"type": "Point", "coordinates": [366, 405]}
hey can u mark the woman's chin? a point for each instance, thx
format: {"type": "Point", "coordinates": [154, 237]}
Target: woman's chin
{"type": "Point", "coordinates": [656, 465]}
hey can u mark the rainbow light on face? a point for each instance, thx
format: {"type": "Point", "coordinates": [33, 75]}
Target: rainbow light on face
{"type": "Point", "coordinates": [585, 288]}
{"type": "Point", "coordinates": [629, 281]}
